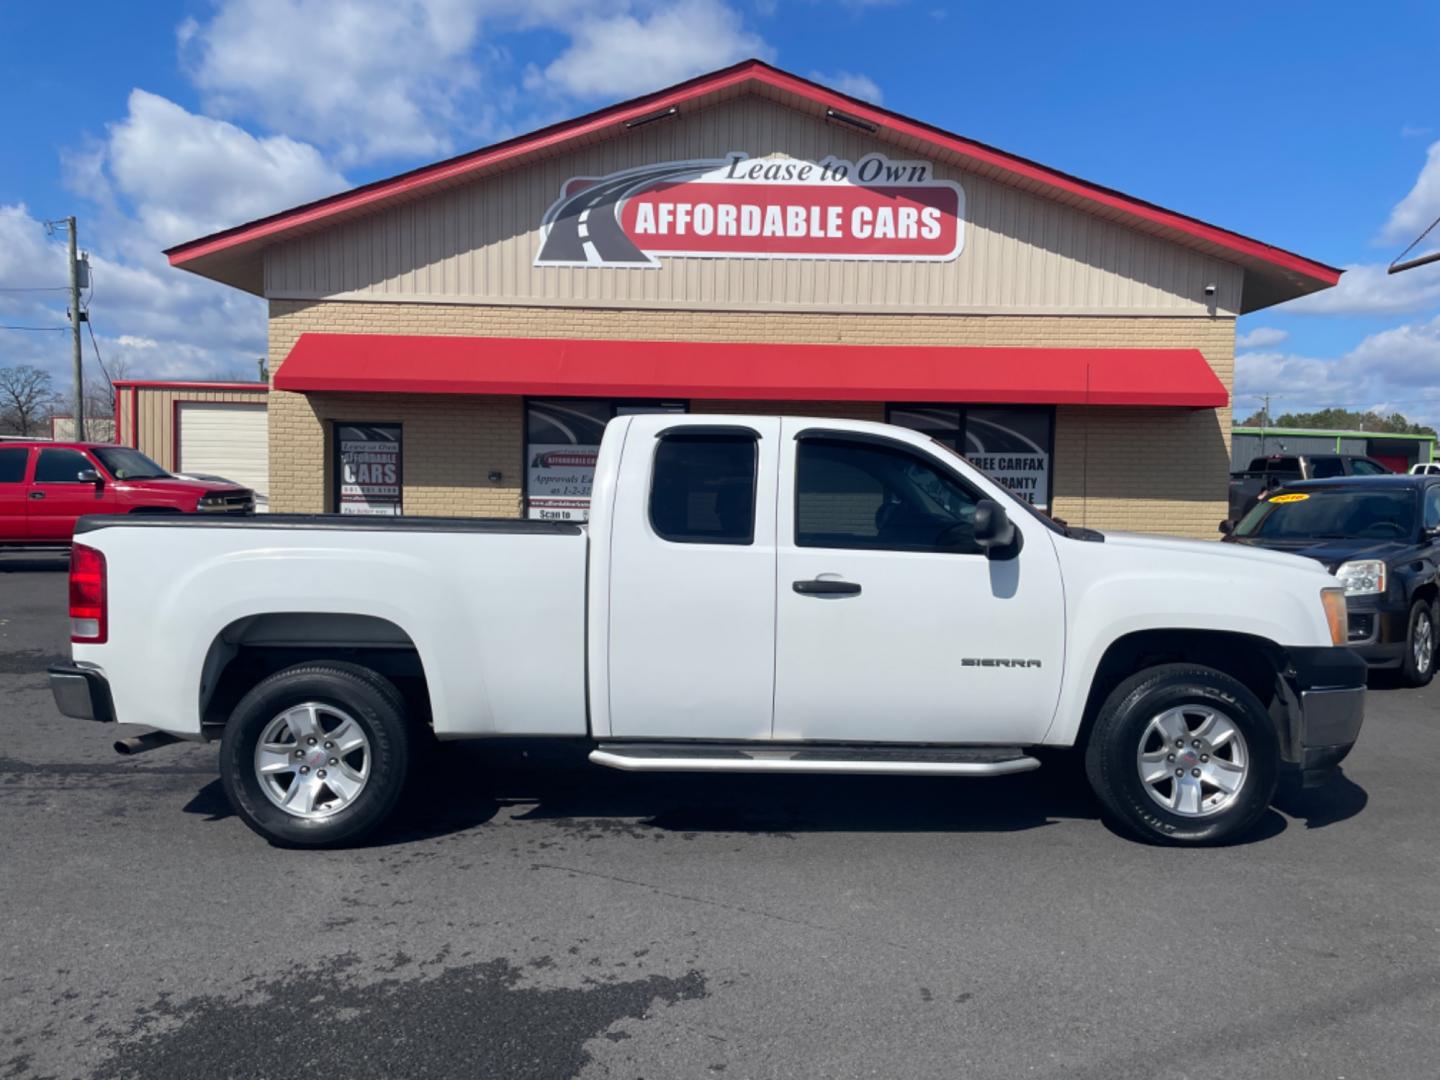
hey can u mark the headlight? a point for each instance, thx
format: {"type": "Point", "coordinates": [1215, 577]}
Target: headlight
{"type": "Point", "coordinates": [1336, 615]}
{"type": "Point", "coordinates": [1363, 577]}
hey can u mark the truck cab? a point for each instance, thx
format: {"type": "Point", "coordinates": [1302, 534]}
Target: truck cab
{"type": "Point", "coordinates": [790, 579]}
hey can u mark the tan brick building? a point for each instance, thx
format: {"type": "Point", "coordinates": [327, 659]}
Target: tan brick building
{"type": "Point", "coordinates": [452, 340]}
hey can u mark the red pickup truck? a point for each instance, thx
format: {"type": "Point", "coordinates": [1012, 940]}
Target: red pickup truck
{"type": "Point", "coordinates": [45, 487]}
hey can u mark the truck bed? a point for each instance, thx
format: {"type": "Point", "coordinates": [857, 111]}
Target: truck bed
{"type": "Point", "coordinates": [495, 606]}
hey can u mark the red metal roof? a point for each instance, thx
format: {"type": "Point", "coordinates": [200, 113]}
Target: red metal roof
{"type": "Point", "coordinates": [754, 74]}
{"type": "Point", "coordinates": [188, 384]}
{"type": "Point", "coordinates": [399, 364]}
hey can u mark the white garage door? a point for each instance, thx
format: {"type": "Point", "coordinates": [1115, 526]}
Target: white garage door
{"type": "Point", "coordinates": [226, 439]}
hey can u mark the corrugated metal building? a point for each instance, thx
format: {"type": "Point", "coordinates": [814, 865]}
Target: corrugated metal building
{"type": "Point", "coordinates": [1393, 450]}
{"type": "Point", "coordinates": [209, 428]}
{"type": "Point", "coordinates": [452, 340]}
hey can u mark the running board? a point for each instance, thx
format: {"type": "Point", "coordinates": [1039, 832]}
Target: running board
{"type": "Point", "coordinates": [855, 760]}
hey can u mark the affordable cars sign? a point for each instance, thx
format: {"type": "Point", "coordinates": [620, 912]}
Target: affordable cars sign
{"type": "Point", "coordinates": [756, 208]}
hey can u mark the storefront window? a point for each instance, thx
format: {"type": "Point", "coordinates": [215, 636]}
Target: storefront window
{"type": "Point", "coordinates": [369, 468]}
{"type": "Point", "coordinates": [562, 441]}
{"type": "Point", "coordinates": [1009, 443]}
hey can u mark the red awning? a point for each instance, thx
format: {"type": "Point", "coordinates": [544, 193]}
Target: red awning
{"type": "Point", "coordinates": [396, 364]}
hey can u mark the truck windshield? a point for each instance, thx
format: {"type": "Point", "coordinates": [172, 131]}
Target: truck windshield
{"type": "Point", "coordinates": [1335, 513]}
{"type": "Point", "coordinates": [127, 464]}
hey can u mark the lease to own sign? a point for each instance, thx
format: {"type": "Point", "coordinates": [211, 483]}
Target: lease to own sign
{"type": "Point", "coordinates": [756, 208]}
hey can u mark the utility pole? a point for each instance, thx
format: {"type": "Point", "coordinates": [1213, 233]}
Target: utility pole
{"type": "Point", "coordinates": [1264, 422]}
{"type": "Point", "coordinates": [75, 316]}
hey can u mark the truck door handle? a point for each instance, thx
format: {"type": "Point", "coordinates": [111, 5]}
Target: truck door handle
{"type": "Point", "coordinates": [827, 587]}
{"type": "Point", "coordinates": [37, 494]}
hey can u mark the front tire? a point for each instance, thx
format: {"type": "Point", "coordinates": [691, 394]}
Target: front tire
{"type": "Point", "coordinates": [316, 755]}
{"type": "Point", "coordinates": [1418, 667]}
{"type": "Point", "coordinates": [1183, 754]}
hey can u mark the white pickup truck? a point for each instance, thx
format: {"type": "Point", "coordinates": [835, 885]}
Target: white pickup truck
{"type": "Point", "coordinates": [751, 594]}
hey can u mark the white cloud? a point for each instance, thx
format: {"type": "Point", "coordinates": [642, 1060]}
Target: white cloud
{"type": "Point", "coordinates": [376, 79]}
{"type": "Point", "coordinates": [628, 53]}
{"type": "Point", "coordinates": [335, 82]}
{"type": "Point", "coordinates": [1262, 337]}
{"type": "Point", "coordinates": [189, 175]}
{"type": "Point", "coordinates": [1366, 289]}
{"type": "Point", "coordinates": [161, 321]}
{"type": "Point", "coordinates": [1420, 206]}
{"type": "Point", "coordinates": [371, 78]}
{"type": "Point", "coordinates": [852, 83]}
{"type": "Point", "coordinates": [1394, 370]}
{"type": "Point", "coordinates": [28, 259]}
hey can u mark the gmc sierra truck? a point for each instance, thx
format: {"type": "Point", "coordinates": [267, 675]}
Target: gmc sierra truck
{"type": "Point", "coordinates": [750, 595]}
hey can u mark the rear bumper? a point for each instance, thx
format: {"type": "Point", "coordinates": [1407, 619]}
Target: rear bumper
{"type": "Point", "coordinates": [1325, 692]}
{"type": "Point", "coordinates": [81, 692]}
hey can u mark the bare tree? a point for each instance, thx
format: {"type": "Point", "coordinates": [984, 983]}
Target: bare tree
{"type": "Point", "coordinates": [27, 399]}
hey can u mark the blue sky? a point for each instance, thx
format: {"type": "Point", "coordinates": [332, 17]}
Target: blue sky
{"type": "Point", "coordinates": [1315, 127]}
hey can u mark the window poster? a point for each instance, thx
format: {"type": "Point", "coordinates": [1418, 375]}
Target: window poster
{"type": "Point", "coordinates": [369, 464]}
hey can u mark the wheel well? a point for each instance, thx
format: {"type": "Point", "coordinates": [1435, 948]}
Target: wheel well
{"type": "Point", "coordinates": [1255, 662]}
{"type": "Point", "coordinates": [254, 647]}
{"type": "Point", "coordinates": [1428, 591]}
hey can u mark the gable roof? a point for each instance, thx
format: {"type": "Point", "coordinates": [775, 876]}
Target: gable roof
{"type": "Point", "coordinates": [1273, 274]}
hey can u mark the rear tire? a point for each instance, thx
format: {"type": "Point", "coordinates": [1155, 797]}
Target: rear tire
{"type": "Point", "coordinates": [1418, 667]}
{"type": "Point", "coordinates": [1183, 754]}
{"type": "Point", "coordinates": [316, 755]}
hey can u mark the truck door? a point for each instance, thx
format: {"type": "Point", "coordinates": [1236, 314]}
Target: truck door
{"type": "Point", "coordinates": [14, 465]}
{"type": "Point", "coordinates": [57, 497]}
{"type": "Point", "coordinates": [691, 597]}
{"type": "Point", "coordinates": [891, 624]}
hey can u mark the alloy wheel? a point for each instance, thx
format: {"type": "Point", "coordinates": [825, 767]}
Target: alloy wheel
{"type": "Point", "coordinates": [312, 760]}
{"type": "Point", "coordinates": [1193, 761]}
{"type": "Point", "coordinates": [1423, 646]}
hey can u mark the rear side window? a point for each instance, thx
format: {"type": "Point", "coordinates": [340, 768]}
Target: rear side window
{"type": "Point", "coordinates": [61, 466]}
{"type": "Point", "coordinates": [703, 489]}
{"type": "Point", "coordinates": [12, 464]}
{"type": "Point", "coordinates": [1322, 467]}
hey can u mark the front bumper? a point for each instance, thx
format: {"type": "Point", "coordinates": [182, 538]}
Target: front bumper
{"type": "Point", "coordinates": [1378, 629]}
{"type": "Point", "coordinates": [81, 692]}
{"type": "Point", "coordinates": [1323, 690]}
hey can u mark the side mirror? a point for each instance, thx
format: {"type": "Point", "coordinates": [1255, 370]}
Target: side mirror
{"type": "Point", "coordinates": [89, 476]}
{"type": "Point", "coordinates": [994, 531]}
{"type": "Point", "coordinates": [1227, 527]}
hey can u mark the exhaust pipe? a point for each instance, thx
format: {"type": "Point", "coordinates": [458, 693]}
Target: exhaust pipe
{"type": "Point", "coordinates": [138, 744]}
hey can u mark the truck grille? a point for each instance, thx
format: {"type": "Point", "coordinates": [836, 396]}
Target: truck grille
{"type": "Point", "coordinates": [236, 502]}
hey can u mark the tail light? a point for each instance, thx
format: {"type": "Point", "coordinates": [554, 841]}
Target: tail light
{"type": "Point", "coordinates": [87, 596]}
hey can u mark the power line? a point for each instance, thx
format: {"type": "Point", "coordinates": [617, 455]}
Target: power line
{"type": "Point", "coordinates": [1420, 260]}
{"type": "Point", "coordinates": [41, 329]}
{"type": "Point", "coordinates": [36, 288]}
{"type": "Point", "coordinates": [96, 346]}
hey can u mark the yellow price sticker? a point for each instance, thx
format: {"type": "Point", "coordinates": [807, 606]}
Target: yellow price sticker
{"type": "Point", "coordinates": [1294, 496]}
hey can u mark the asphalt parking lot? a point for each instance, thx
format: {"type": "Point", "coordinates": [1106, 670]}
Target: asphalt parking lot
{"type": "Point", "coordinates": [520, 921]}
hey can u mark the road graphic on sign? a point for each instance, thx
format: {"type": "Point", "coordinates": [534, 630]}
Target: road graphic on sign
{"type": "Point", "coordinates": [584, 229]}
